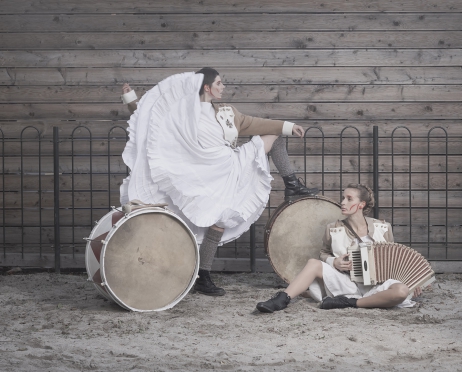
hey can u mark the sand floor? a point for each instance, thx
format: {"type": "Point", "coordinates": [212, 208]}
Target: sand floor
{"type": "Point", "coordinates": [52, 322]}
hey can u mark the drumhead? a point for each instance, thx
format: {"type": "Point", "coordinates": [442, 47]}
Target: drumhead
{"type": "Point", "coordinates": [294, 233]}
{"type": "Point", "coordinates": [150, 260]}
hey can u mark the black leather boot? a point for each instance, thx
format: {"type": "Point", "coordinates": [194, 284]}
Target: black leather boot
{"type": "Point", "coordinates": [278, 302]}
{"type": "Point", "coordinates": [205, 285]}
{"type": "Point", "coordinates": [296, 188]}
{"type": "Point", "coordinates": [339, 302]}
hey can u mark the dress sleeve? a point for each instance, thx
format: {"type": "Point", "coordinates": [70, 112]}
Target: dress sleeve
{"type": "Point", "coordinates": [388, 236]}
{"type": "Point", "coordinates": [326, 254]}
{"type": "Point", "coordinates": [252, 126]}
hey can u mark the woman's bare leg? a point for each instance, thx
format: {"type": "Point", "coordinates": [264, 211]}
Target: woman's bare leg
{"type": "Point", "coordinates": [268, 141]}
{"type": "Point", "coordinates": [311, 271]}
{"type": "Point", "coordinates": [393, 296]}
{"type": "Point", "coordinates": [215, 227]}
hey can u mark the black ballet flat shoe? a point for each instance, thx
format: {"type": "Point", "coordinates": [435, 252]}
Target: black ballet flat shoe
{"type": "Point", "coordinates": [278, 302]}
{"type": "Point", "coordinates": [295, 188]}
{"type": "Point", "coordinates": [339, 302]}
{"type": "Point", "coordinates": [204, 285]}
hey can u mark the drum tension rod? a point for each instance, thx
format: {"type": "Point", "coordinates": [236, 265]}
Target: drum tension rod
{"type": "Point", "coordinates": [94, 240]}
{"type": "Point", "coordinates": [118, 210]}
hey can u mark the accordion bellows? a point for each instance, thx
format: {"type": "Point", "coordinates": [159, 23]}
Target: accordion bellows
{"type": "Point", "coordinates": [375, 263]}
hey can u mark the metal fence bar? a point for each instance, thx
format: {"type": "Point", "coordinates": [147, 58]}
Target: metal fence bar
{"type": "Point", "coordinates": [57, 242]}
{"type": "Point", "coordinates": [375, 167]}
{"type": "Point", "coordinates": [341, 156]}
{"type": "Point", "coordinates": [305, 156]}
{"type": "Point", "coordinates": [73, 140]}
{"type": "Point", "coordinates": [22, 188]}
{"type": "Point", "coordinates": [252, 249]}
{"type": "Point", "coordinates": [446, 183]}
{"type": "Point", "coordinates": [3, 195]}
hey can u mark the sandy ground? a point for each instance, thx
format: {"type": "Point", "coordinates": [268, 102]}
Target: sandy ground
{"type": "Point", "coordinates": [52, 322]}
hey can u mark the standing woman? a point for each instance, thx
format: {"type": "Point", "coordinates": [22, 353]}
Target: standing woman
{"type": "Point", "coordinates": [332, 269]}
{"type": "Point", "coordinates": [182, 151]}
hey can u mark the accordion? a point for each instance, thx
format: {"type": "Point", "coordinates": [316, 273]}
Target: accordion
{"type": "Point", "coordinates": [374, 263]}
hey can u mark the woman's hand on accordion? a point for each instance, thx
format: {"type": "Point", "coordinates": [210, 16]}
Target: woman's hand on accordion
{"type": "Point", "coordinates": [417, 292]}
{"type": "Point", "coordinates": [342, 263]}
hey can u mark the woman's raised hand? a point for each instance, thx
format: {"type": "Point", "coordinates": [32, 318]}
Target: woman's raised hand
{"type": "Point", "coordinates": [126, 88]}
{"type": "Point", "coordinates": [297, 130]}
{"type": "Point", "coordinates": [342, 263]}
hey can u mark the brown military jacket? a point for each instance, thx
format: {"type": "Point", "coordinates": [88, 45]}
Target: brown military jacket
{"type": "Point", "coordinates": [251, 126]}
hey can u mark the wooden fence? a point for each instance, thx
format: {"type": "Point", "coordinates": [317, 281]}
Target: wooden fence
{"type": "Point", "coordinates": [320, 64]}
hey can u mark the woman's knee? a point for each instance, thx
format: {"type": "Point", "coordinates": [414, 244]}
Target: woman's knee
{"type": "Point", "coordinates": [400, 290]}
{"type": "Point", "coordinates": [314, 264]}
{"type": "Point", "coordinates": [268, 141]}
{"type": "Point", "coordinates": [215, 227]}
{"type": "Point", "coordinates": [313, 261]}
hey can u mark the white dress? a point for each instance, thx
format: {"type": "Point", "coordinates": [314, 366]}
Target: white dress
{"type": "Point", "coordinates": [338, 283]}
{"type": "Point", "coordinates": [177, 155]}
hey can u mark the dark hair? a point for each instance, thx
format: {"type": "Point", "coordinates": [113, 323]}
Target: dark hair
{"type": "Point", "coordinates": [365, 195]}
{"type": "Point", "coordinates": [209, 77]}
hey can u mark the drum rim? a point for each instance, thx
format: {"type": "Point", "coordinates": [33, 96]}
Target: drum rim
{"type": "Point", "coordinates": [119, 223]}
{"type": "Point", "coordinates": [277, 212]}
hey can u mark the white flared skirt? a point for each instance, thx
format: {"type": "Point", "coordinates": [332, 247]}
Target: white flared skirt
{"type": "Point", "coordinates": [204, 187]}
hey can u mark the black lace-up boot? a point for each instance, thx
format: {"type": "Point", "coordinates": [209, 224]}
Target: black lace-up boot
{"type": "Point", "coordinates": [278, 302]}
{"type": "Point", "coordinates": [339, 302]}
{"type": "Point", "coordinates": [295, 188]}
{"type": "Point", "coordinates": [205, 285]}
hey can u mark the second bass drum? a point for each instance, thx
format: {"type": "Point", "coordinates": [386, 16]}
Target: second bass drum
{"type": "Point", "coordinates": [294, 233]}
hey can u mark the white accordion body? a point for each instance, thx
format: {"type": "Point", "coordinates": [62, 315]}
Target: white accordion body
{"type": "Point", "coordinates": [375, 263]}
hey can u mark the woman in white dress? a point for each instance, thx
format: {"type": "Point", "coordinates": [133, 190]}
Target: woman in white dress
{"type": "Point", "coordinates": [182, 151]}
{"type": "Point", "coordinates": [332, 269]}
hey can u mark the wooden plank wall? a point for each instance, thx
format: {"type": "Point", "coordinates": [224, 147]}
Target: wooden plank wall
{"type": "Point", "coordinates": [324, 64]}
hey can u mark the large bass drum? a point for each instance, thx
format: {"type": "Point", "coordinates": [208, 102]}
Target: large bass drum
{"type": "Point", "coordinates": [294, 233]}
{"type": "Point", "coordinates": [145, 260]}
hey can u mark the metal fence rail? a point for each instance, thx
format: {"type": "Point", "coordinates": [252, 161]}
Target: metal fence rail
{"type": "Point", "coordinates": [54, 189]}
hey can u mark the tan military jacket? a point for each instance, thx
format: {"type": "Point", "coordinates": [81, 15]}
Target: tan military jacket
{"type": "Point", "coordinates": [337, 238]}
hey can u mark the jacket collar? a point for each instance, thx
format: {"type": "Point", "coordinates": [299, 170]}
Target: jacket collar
{"type": "Point", "coordinates": [370, 227]}
{"type": "Point", "coordinates": [216, 106]}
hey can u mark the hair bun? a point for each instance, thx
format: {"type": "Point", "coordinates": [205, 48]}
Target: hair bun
{"type": "Point", "coordinates": [365, 194]}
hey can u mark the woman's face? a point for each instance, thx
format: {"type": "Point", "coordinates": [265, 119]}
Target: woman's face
{"type": "Point", "coordinates": [351, 203]}
{"type": "Point", "coordinates": [216, 89]}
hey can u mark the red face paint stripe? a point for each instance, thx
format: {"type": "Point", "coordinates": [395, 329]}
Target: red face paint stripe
{"type": "Point", "coordinates": [353, 206]}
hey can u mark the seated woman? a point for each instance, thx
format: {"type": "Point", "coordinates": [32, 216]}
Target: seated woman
{"type": "Point", "coordinates": [333, 268]}
{"type": "Point", "coordinates": [183, 152]}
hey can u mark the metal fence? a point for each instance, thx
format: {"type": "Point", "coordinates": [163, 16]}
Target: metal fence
{"type": "Point", "coordinates": [54, 189]}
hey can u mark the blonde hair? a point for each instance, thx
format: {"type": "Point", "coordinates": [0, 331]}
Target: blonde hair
{"type": "Point", "coordinates": [365, 195]}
